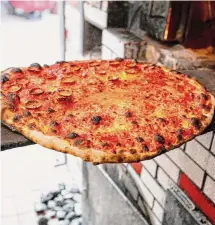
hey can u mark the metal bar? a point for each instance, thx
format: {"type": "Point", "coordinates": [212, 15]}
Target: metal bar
{"type": "Point", "coordinates": [61, 12]}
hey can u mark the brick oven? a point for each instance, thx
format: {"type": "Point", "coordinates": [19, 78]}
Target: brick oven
{"type": "Point", "coordinates": [176, 188]}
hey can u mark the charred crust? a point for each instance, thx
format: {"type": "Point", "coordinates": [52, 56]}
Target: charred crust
{"type": "Point", "coordinates": [60, 62]}
{"type": "Point", "coordinates": [78, 142]}
{"type": "Point", "coordinates": [118, 144]}
{"type": "Point", "coordinates": [120, 159]}
{"type": "Point", "coordinates": [16, 70]}
{"type": "Point", "coordinates": [128, 114]}
{"type": "Point", "coordinates": [196, 123]}
{"type": "Point", "coordinates": [54, 123]}
{"type": "Point", "coordinates": [159, 138]}
{"type": "Point", "coordinates": [35, 65]}
{"type": "Point", "coordinates": [179, 134]}
{"type": "Point", "coordinates": [204, 96]}
{"type": "Point", "coordinates": [96, 119]}
{"type": "Point", "coordinates": [145, 148]}
{"type": "Point", "coordinates": [72, 135]}
{"type": "Point", "coordinates": [105, 144]}
{"type": "Point", "coordinates": [50, 110]}
{"type": "Point", "coordinates": [161, 149]}
{"type": "Point", "coordinates": [119, 59]}
{"type": "Point", "coordinates": [206, 107]}
{"type": "Point", "coordinates": [17, 118]}
{"type": "Point", "coordinates": [139, 139]}
{"type": "Point", "coordinates": [27, 114]}
{"type": "Point", "coordinates": [4, 78]}
{"type": "Point", "coordinates": [46, 66]}
{"type": "Point", "coordinates": [132, 151]}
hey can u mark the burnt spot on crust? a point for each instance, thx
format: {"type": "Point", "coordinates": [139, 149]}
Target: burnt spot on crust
{"type": "Point", "coordinates": [120, 158]}
{"type": "Point", "coordinates": [17, 118]}
{"type": "Point", "coordinates": [16, 70]}
{"type": "Point", "coordinates": [72, 135]}
{"type": "Point", "coordinates": [36, 65]}
{"type": "Point", "coordinates": [132, 151]}
{"type": "Point", "coordinates": [207, 107]}
{"type": "Point", "coordinates": [118, 144]}
{"type": "Point", "coordinates": [27, 114]}
{"type": "Point", "coordinates": [59, 62]}
{"type": "Point", "coordinates": [179, 135]}
{"type": "Point", "coordinates": [4, 78]}
{"type": "Point", "coordinates": [105, 144]}
{"type": "Point", "coordinates": [159, 138]}
{"type": "Point", "coordinates": [128, 114]}
{"type": "Point", "coordinates": [204, 96]}
{"type": "Point", "coordinates": [46, 66]}
{"type": "Point", "coordinates": [119, 59]}
{"type": "Point", "coordinates": [196, 123]}
{"type": "Point", "coordinates": [96, 119]}
{"type": "Point", "coordinates": [54, 123]}
{"type": "Point", "coordinates": [145, 148]}
{"type": "Point", "coordinates": [78, 142]}
{"type": "Point", "coordinates": [50, 110]}
{"type": "Point", "coordinates": [139, 139]}
{"type": "Point", "coordinates": [161, 149]}
{"type": "Point", "coordinates": [13, 99]}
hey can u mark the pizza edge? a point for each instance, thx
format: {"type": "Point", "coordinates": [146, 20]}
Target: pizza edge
{"type": "Point", "coordinates": [92, 155]}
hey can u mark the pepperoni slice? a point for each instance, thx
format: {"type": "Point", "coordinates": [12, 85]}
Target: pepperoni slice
{"type": "Point", "coordinates": [68, 80]}
{"type": "Point", "coordinates": [14, 88]}
{"type": "Point", "coordinates": [36, 91]}
{"type": "Point", "coordinates": [65, 92]}
{"type": "Point", "coordinates": [32, 104]}
{"type": "Point", "coordinates": [131, 65]}
{"type": "Point", "coordinates": [130, 71]}
{"type": "Point", "coordinates": [114, 63]}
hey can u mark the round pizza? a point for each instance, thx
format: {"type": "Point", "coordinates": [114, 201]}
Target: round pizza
{"type": "Point", "coordinates": [105, 111]}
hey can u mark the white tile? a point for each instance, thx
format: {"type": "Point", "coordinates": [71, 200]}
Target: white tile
{"type": "Point", "coordinates": [153, 219]}
{"type": "Point", "coordinates": [205, 139]}
{"type": "Point", "coordinates": [168, 166]}
{"type": "Point", "coordinates": [211, 166]}
{"type": "Point", "coordinates": [28, 219]}
{"type": "Point", "coordinates": [151, 166]}
{"type": "Point", "coordinates": [153, 186]}
{"type": "Point", "coordinates": [189, 167]}
{"type": "Point", "coordinates": [11, 220]}
{"type": "Point", "coordinates": [163, 179]}
{"type": "Point", "coordinates": [197, 153]}
{"type": "Point", "coordinates": [24, 203]}
{"type": "Point", "coordinates": [213, 145]}
{"type": "Point", "coordinates": [158, 210]}
{"type": "Point", "coordinates": [8, 207]}
{"type": "Point", "coordinates": [145, 193]}
{"type": "Point", "coordinates": [209, 188]}
{"type": "Point", "coordinates": [106, 53]}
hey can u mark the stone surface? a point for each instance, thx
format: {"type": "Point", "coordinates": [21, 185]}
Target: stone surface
{"type": "Point", "coordinates": [64, 222]}
{"type": "Point", "coordinates": [43, 221]}
{"type": "Point", "coordinates": [68, 207]}
{"type": "Point", "coordinates": [50, 214]}
{"type": "Point", "coordinates": [78, 209]}
{"type": "Point", "coordinates": [61, 214]}
{"type": "Point", "coordinates": [75, 222]}
{"type": "Point", "coordinates": [70, 215]}
{"type": "Point", "coordinates": [40, 207]}
{"type": "Point", "coordinates": [51, 204]}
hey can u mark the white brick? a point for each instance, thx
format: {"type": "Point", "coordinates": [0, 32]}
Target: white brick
{"type": "Point", "coordinates": [163, 179]}
{"type": "Point", "coordinates": [168, 166]}
{"type": "Point", "coordinates": [213, 146]}
{"type": "Point", "coordinates": [145, 193]}
{"type": "Point", "coordinates": [153, 218]}
{"type": "Point", "coordinates": [158, 211]}
{"type": "Point", "coordinates": [122, 43]}
{"type": "Point", "coordinates": [106, 53]}
{"type": "Point", "coordinates": [190, 168]}
{"type": "Point", "coordinates": [209, 188]}
{"type": "Point", "coordinates": [197, 153]}
{"type": "Point", "coordinates": [211, 166]}
{"type": "Point", "coordinates": [205, 139]}
{"type": "Point", "coordinates": [151, 166]}
{"type": "Point", "coordinates": [153, 186]}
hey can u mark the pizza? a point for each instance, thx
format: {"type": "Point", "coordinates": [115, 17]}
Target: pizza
{"type": "Point", "coordinates": [105, 111]}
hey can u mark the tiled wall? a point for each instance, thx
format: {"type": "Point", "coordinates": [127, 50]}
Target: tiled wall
{"type": "Point", "coordinates": [191, 167]}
